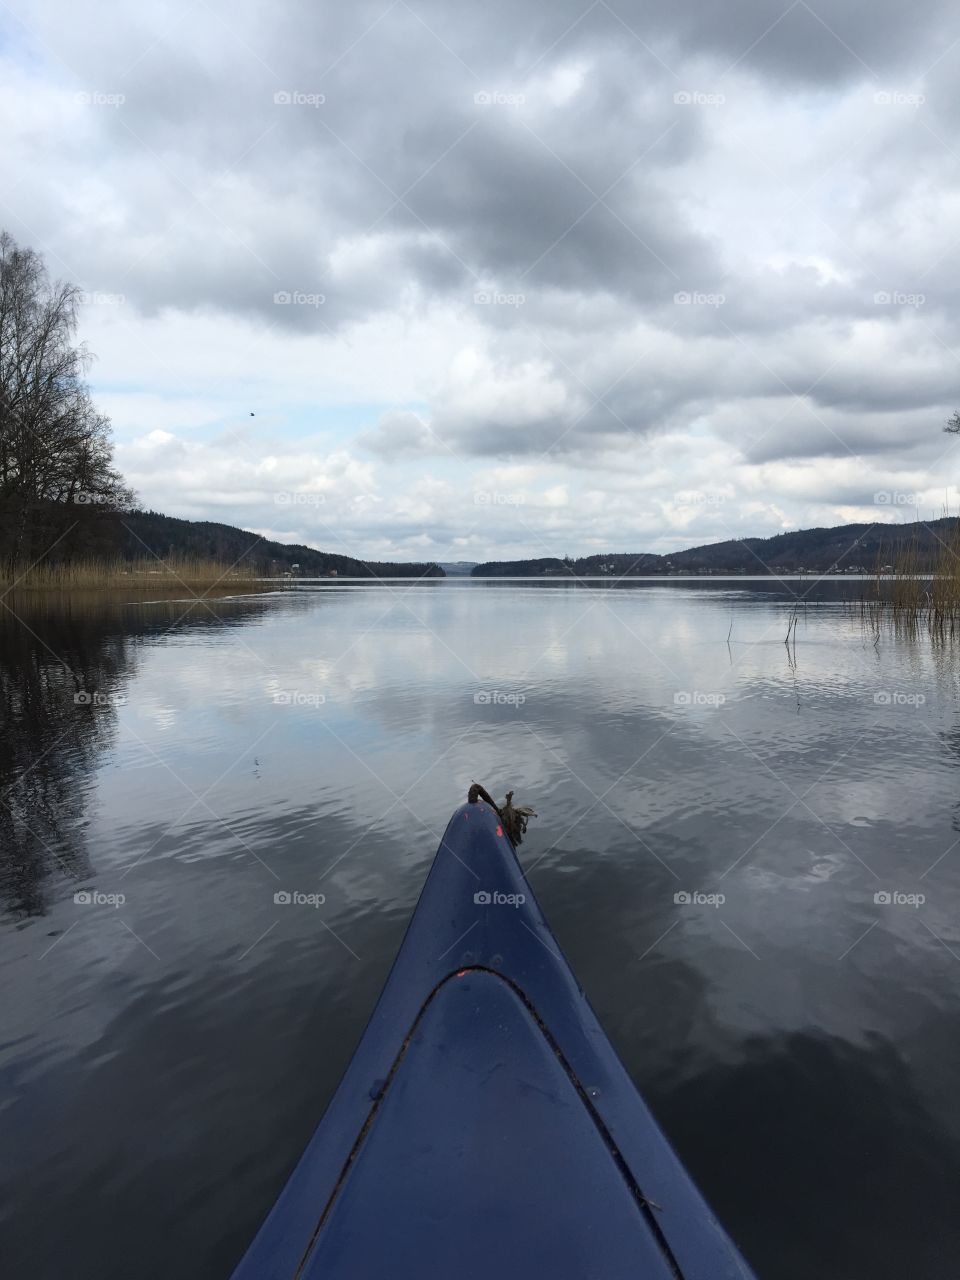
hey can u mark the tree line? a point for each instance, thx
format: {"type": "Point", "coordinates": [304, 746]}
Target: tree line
{"type": "Point", "coordinates": [56, 459]}
{"type": "Point", "coordinates": [840, 547]}
{"type": "Point", "coordinates": [61, 498]}
{"type": "Point", "coordinates": [170, 539]}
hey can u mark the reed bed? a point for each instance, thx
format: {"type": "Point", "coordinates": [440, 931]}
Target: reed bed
{"type": "Point", "coordinates": [168, 577]}
{"type": "Point", "coordinates": [919, 588]}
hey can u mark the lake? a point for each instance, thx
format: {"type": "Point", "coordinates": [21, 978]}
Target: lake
{"type": "Point", "coordinates": [749, 850]}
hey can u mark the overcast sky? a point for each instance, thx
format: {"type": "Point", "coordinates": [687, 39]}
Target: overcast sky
{"type": "Point", "coordinates": [524, 277]}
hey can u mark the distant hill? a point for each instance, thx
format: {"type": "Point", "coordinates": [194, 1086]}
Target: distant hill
{"type": "Point", "coordinates": [146, 533]}
{"type": "Point", "coordinates": [842, 548]}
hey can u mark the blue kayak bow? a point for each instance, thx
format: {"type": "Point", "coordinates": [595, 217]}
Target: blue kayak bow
{"type": "Point", "coordinates": [485, 1127]}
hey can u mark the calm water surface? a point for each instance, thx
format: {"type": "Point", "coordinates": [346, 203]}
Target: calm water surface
{"type": "Point", "coordinates": [167, 1048]}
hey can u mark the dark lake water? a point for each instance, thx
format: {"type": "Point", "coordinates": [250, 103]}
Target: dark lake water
{"type": "Point", "coordinates": [167, 1047]}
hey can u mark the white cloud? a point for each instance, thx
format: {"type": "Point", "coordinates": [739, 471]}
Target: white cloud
{"type": "Point", "coordinates": [784, 203]}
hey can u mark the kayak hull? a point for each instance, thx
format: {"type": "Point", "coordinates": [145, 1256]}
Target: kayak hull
{"type": "Point", "coordinates": [485, 1126]}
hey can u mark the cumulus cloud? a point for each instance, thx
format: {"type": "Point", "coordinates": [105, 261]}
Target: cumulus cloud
{"type": "Point", "coordinates": [602, 242]}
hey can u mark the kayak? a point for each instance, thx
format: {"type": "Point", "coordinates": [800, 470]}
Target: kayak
{"type": "Point", "coordinates": [485, 1127]}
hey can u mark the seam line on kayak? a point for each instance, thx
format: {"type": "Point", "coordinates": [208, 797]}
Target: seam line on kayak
{"type": "Point", "coordinates": [643, 1204]}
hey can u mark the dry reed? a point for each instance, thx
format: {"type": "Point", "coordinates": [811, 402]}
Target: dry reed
{"type": "Point", "coordinates": [163, 577]}
{"type": "Point", "coordinates": [919, 588]}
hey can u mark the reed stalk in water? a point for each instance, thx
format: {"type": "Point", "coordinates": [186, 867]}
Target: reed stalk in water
{"type": "Point", "coordinates": [919, 587]}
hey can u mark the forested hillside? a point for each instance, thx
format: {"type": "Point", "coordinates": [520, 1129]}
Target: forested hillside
{"type": "Point", "coordinates": [843, 547]}
{"type": "Point", "coordinates": [148, 533]}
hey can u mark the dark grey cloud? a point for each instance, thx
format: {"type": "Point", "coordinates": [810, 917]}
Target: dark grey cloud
{"type": "Point", "coordinates": [316, 167]}
{"type": "Point", "coordinates": [795, 431]}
